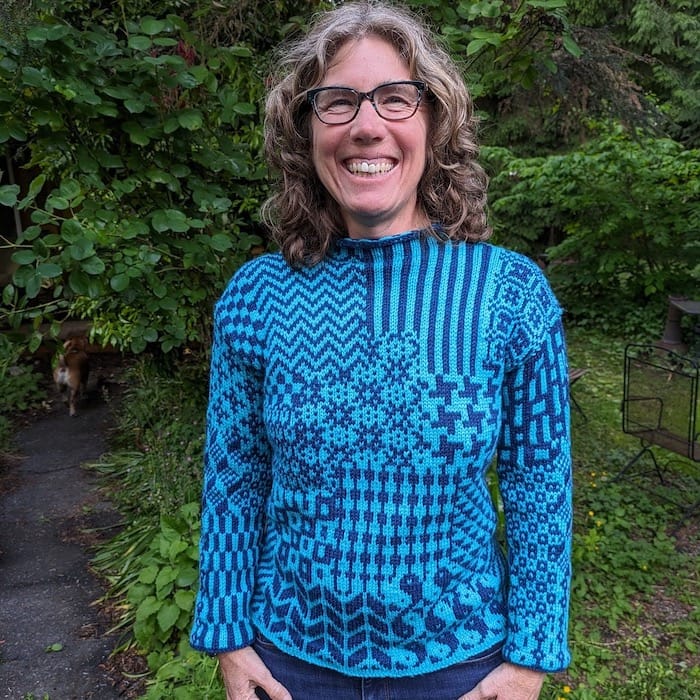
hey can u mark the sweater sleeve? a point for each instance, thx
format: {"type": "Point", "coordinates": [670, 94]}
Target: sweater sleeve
{"type": "Point", "coordinates": [236, 482]}
{"type": "Point", "coordinates": [534, 470]}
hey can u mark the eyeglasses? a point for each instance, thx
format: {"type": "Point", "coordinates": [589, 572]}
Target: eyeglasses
{"type": "Point", "coordinates": [392, 101]}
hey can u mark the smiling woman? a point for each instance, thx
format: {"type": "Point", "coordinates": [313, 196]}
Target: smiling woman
{"type": "Point", "coordinates": [362, 382]}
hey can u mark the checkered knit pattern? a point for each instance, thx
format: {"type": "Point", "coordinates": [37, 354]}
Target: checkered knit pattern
{"type": "Point", "coordinates": [355, 407]}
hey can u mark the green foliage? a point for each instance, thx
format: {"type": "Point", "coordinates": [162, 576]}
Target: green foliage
{"type": "Point", "coordinates": [654, 42]}
{"type": "Point", "coordinates": [162, 596]}
{"type": "Point", "coordinates": [158, 447]}
{"type": "Point", "coordinates": [142, 145]}
{"type": "Point", "coordinates": [617, 218]}
{"type": "Point", "coordinates": [634, 631]}
{"type": "Point", "coordinates": [502, 44]}
{"type": "Point", "coordinates": [19, 389]}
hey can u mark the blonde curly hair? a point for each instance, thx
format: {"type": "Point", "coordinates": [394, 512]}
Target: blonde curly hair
{"type": "Point", "coordinates": [302, 216]}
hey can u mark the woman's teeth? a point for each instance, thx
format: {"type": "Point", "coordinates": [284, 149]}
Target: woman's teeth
{"type": "Point", "coordinates": [370, 168]}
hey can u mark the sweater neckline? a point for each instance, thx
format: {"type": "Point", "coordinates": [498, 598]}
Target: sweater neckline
{"type": "Point", "coordinates": [382, 241]}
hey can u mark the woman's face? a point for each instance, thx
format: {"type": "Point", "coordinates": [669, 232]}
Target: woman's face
{"type": "Point", "coordinates": [384, 202]}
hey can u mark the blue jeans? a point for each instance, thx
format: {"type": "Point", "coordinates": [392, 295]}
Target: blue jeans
{"type": "Point", "coordinates": [306, 681]}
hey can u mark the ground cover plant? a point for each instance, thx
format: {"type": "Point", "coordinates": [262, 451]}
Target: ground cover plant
{"type": "Point", "coordinates": [634, 622]}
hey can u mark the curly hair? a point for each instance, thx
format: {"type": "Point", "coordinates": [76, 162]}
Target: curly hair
{"type": "Point", "coordinates": [302, 216]}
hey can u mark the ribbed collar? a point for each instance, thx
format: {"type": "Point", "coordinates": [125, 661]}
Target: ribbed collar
{"type": "Point", "coordinates": [382, 241]}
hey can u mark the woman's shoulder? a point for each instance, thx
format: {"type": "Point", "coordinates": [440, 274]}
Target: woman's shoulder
{"type": "Point", "coordinates": [507, 259]}
{"type": "Point", "coordinates": [260, 270]}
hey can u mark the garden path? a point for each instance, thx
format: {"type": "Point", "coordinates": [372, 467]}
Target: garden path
{"type": "Point", "coordinates": [52, 638]}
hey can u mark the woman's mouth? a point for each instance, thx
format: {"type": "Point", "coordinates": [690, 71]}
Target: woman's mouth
{"type": "Point", "coordinates": [363, 167]}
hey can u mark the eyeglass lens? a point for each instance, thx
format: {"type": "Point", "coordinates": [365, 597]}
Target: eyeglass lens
{"type": "Point", "coordinates": [393, 101]}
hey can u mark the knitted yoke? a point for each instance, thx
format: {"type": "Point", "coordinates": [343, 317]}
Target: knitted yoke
{"type": "Point", "coordinates": [355, 407]}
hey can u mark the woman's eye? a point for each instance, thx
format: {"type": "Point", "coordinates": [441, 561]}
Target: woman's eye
{"type": "Point", "coordinates": [340, 103]}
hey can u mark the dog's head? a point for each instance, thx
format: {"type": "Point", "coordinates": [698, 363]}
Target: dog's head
{"type": "Point", "coordinates": [75, 344]}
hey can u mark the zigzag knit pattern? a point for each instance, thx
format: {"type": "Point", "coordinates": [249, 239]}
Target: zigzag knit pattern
{"type": "Point", "coordinates": [355, 407]}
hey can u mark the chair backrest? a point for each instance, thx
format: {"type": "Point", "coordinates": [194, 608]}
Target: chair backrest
{"type": "Point", "coordinates": [660, 403]}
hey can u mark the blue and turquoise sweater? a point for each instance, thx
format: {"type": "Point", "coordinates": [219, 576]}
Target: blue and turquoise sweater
{"type": "Point", "coordinates": [355, 407]}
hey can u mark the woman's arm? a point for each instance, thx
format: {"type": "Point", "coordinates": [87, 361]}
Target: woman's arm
{"type": "Point", "coordinates": [534, 471]}
{"type": "Point", "coordinates": [236, 482]}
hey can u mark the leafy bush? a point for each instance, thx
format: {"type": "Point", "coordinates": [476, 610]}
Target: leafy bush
{"type": "Point", "coordinates": [617, 220]}
{"type": "Point", "coordinates": [142, 147]}
{"type": "Point", "coordinates": [19, 389]}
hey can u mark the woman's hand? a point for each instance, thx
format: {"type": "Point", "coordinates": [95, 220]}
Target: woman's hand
{"type": "Point", "coordinates": [508, 682]}
{"type": "Point", "coordinates": [243, 671]}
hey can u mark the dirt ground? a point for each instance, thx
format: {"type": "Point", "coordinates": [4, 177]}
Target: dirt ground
{"type": "Point", "coordinates": [54, 641]}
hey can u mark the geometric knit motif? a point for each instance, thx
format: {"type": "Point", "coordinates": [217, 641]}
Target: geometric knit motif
{"type": "Point", "coordinates": [355, 407]}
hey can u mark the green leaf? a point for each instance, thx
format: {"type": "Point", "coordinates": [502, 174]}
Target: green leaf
{"type": "Point", "coordinates": [148, 607]}
{"type": "Point", "coordinates": [69, 189]}
{"type": "Point", "coordinates": [191, 119]}
{"type": "Point", "coordinates": [93, 266]}
{"type": "Point", "coordinates": [135, 106]}
{"type": "Point", "coordinates": [32, 284]}
{"type": "Point", "coordinates": [167, 616]}
{"type": "Point", "coordinates": [220, 242]}
{"type": "Point", "coordinates": [49, 270]}
{"type": "Point", "coordinates": [24, 257]}
{"type": "Point", "coordinates": [35, 78]}
{"type": "Point", "coordinates": [148, 575]}
{"type": "Point", "coordinates": [133, 229]}
{"type": "Point", "coordinates": [170, 220]}
{"type": "Point", "coordinates": [81, 249]}
{"type": "Point", "coordinates": [78, 281]}
{"type": "Point", "coordinates": [36, 186]}
{"type": "Point", "coordinates": [184, 600]}
{"type": "Point", "coordinates": [152, 26]}
{"type": "Point", "coordinates": [8, 195]}
{"type": "Point", "coordinates": [571, 46]}
{"type": "Point", "coordinates": [244, 108]}
{"type": "Point", "coordinates": [54, 202]}
{"type": "Point", "coordinates": [120, 282]}
{"type": "Point", "coordinates": [137, 133]}
{"type": "Point", "coordinates": [8, 294]}
{"type": "Point", "coordinates": [140, 43]}
{"type": "Point", "coordinates": [52, 648]}
{"type": "Point", "coordinates": [475, 46]}
{"type": "Point", "coordinates": [72, 231]}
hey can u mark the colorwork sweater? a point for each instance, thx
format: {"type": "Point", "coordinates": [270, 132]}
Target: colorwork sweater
{"type": "Point", "coordinates": [355, 408]}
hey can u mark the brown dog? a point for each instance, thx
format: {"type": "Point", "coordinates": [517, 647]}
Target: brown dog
{"type": "Point", "coordinates": [72, 371]}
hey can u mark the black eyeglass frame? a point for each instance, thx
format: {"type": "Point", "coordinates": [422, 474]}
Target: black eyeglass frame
{"type": "Point", "coordinates": [311, 99]}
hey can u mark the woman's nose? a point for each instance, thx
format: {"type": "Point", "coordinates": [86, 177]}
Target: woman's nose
{"type": "Point", "coordinates": [367, 123]}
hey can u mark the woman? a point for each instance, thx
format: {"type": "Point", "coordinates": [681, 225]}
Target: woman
{"type": "Point", "coordinates": [362, 380]}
